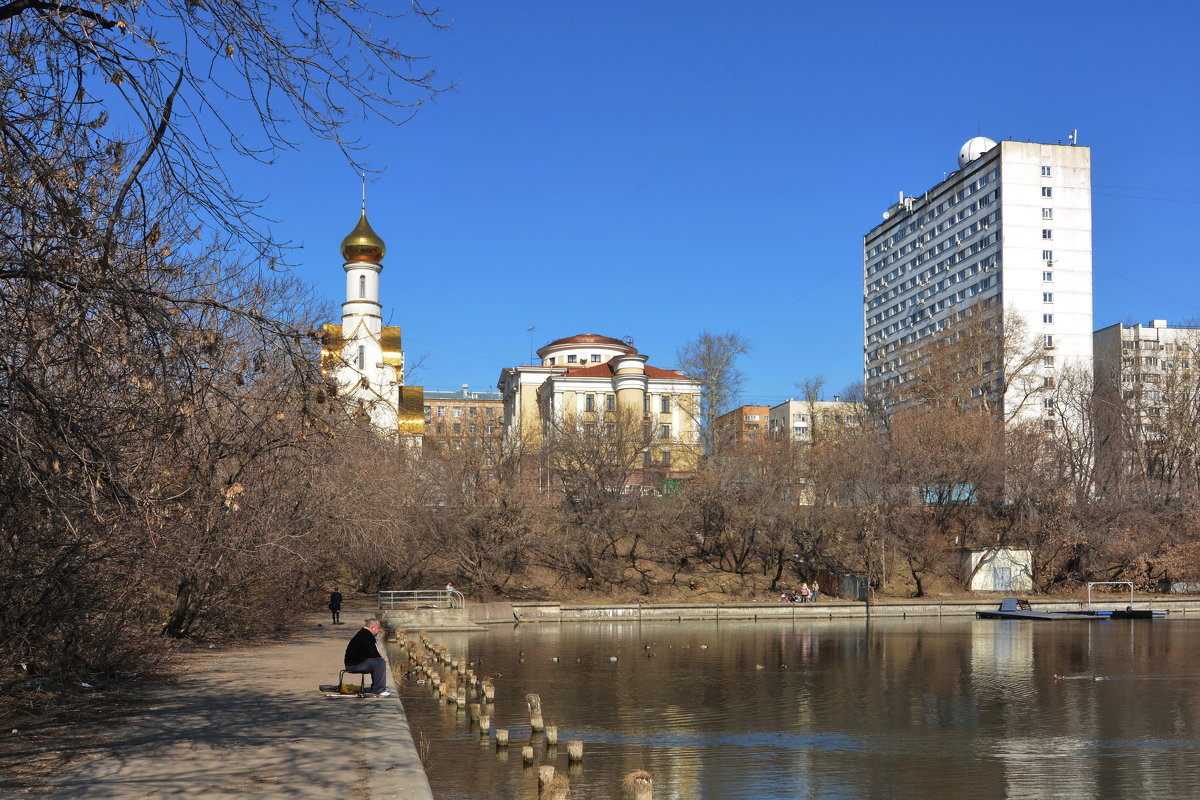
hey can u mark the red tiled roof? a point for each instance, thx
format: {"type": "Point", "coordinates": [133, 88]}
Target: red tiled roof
{"type": "Point", "coordinates": [606, 371]}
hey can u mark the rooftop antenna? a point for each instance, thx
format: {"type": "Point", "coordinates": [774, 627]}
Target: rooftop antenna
{"type": "Point", "coordinates": [364, 192]}
{"type": "Point", "coordinates": [530, 331]}
{"type": "Point", "coordinates": [1074, 137]}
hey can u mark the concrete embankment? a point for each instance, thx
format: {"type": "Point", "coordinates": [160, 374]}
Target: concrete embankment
{"type": "Point", "coordinates": [252, 723]}
{"type": "Point", "coordinates": [496, 613]}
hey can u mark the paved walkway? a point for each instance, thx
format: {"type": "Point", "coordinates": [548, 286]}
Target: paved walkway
{"type": "Point", "coordinates": [251, 723]}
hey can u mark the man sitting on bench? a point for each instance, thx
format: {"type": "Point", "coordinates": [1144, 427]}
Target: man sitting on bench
{"type": "Point", "coordinates": [362, 656]}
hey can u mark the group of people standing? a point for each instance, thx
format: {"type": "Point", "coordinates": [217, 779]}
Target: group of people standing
{"type": "Point", "coordinates": [806, 593]}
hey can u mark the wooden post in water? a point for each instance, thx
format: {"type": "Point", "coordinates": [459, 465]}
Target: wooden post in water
{"type": "Point", "coordinates": [489, 692]}
{"type": "Point", "coordinates": [551, 735]}
{"type": "Point", "coordinates": [574, 749]}
{"type": "Point", "coordinates": [545, 775]}
{"type": "Point", "coordinates": [474, 708]}
{"type": "Point", "coordinates": [485, 724]}
{"type": "Point", "coordinates": [501, 737]}
{"type": "Point", "coordinates": [527, 754]}
{"type": "Point", "coordinates": [639, 785]}
{"type": "Point", "coordinates": [535, 712]}
{"type": "Point", "coordinates": [559, 788]}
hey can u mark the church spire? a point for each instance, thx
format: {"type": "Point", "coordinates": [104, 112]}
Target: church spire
{"type": "Point", "coordinates": [363, 243]}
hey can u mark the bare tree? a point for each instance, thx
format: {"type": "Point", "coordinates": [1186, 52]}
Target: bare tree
{"type": "Point", "coordinates": [162, 414]}
{"type": "Point", "coordinates": [711, 358]}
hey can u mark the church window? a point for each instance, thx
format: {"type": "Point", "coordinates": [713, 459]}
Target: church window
{"type": "Point", "coordinates": [458, 427]}
{"type": "Point", "coordinates": [610, 402]}
{"type": "Point", "coordinates": [473, 428]}
{"type": "Point", "coordinates": [665, 407]}
{"type": "Point", "coordinates": [441, 411]}
{"type": "Point", "coordinates": [457, 411]}
{"type": "Point", "coordinates": [471, 411]}
{"type": "Point", "coordinates": [589, 402]}
{"type": "Point", "coordinates": [491, 412]}
{"type": "Point", "coordinates": [489, 430]}
{"type": "Point", "coordinates": [664, 431]}
{"type": "Point", "coordinates": [595, 358]}
{"type": "Point", "coordinates": [646, 404]}
{"type": "Point", "coordinates": [552, 361]}
{"type": "Point", "coordinates": [362, 285]}
{"type": "Point", "coordinates": [571, 359]}
{"type": "Point", "coordinates": [362, 357]}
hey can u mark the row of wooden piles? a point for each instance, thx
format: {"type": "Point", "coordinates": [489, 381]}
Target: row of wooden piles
{"type": "Point", "coordinates": [455, 682]}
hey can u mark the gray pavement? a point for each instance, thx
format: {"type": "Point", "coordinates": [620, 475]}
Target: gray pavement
{"type": "Point", "coordinates": [252, 723]}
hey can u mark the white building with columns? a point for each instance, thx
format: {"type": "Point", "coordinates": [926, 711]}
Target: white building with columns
{"type": "Point", "coordinates": [590, 381]}
{"type": "Point", "coordinates": [1012, 228]}
{"type": "Point", "coordinates": [363, 355]}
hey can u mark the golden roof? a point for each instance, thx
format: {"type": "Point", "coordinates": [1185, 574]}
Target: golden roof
{"type": "Point", "coordinates": [363, 243]}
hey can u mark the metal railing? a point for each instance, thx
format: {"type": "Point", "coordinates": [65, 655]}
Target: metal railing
{"type": "Point", "coordinates": [1110, 583]}
{"type": "Point", "coordinates": [418, 598]}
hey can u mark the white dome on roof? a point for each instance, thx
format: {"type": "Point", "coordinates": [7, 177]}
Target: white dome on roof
{"type": "Point", "coordinates": [973, 149]}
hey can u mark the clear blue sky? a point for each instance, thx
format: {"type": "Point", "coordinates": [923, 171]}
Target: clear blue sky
{"type": "Point", "coordinates": [655, 169]}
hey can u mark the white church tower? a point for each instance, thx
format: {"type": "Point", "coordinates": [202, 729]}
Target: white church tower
{"type": "Point", "coordinates": [362, 354]}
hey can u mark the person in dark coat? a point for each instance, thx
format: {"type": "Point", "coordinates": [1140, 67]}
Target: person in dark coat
{"type": "Point", "coordinates": [362, 656]}
{"type": "Point", "coordinates": [335, 606]}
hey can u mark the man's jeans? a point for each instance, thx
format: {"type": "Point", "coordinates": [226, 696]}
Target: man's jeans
{"type": "Point", "coordinates": [377, 667]}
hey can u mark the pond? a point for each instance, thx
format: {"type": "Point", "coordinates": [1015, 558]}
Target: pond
{"type": "Point", "coordinates": [928, 709]}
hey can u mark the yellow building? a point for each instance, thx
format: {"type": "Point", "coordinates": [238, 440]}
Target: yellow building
{"type": "Point", "coordinates": [592, 385]}
{"type": "Point", "coordinates": [363, 355]}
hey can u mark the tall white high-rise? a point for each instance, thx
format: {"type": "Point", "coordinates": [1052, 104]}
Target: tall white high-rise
{"type": "Point", "coordinates": [1012, 226]}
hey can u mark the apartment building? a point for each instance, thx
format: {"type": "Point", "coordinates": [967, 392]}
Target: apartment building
{"type": "Point", "coordinates": [1009, 233]}
{"type": "Point", "coordinates": [460, 419]}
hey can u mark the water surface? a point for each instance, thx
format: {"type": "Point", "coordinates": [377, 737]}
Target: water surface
{"type": "Point", "coordinates": [925, 709]}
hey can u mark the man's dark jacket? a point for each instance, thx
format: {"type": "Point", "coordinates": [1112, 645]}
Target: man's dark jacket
{"type": "Point", "coordinates": [361, 647]}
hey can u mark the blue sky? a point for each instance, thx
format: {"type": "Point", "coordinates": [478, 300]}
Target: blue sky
{"type": "Point", "coordinates": [653, 170]}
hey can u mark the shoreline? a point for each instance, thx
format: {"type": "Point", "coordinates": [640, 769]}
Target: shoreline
{"type": "Point", "coordinates": [552, 611]}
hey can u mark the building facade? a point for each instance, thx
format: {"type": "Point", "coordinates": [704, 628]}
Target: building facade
{"type": "Point", "coordinates": [748, 423]}
{"type": "Point", "coordinates": [594, 384]}
{"type": "Point", "coordinates": [1009, 231]}
{"type": "Point", "coordinates": [1145, 393]}
{"type": "Point", "coordinates": [464, 420]}
{"type": "Point", "coordinates": [803, 420]}
{"type": "Point", "coordinates": [364, 356]}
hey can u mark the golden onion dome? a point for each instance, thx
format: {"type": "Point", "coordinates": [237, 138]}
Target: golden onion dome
{"type": "Point", "coordinates": [363, 243]}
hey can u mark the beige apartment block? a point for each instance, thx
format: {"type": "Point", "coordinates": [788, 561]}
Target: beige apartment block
{"type": "Point", "coordinates": [1146, 383]}
{"type": "Point", "coordinates": [464, 420]}
{"type": "Point", "coordinates": [806, 420]}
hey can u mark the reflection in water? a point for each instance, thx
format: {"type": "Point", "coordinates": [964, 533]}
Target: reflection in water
{"type": "Point", "coordinates": [926, 709]}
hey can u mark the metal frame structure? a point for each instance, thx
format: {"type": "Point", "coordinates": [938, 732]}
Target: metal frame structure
{"type": "Point", "coordinates": [1110, 583]}
{"type": "Point", "coordinates": [416, 598]}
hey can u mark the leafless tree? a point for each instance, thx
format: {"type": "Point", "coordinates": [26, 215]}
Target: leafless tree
{"type": "Point", "coordinates": [711, 358]}
{"type": "Point", "coordinates": [162, 414]}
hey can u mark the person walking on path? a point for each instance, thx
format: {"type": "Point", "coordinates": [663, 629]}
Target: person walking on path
{"type": "Point", "coordinates": [362, 656]}
{"type": "Point", "coordinates": [335, 606]}
{"type": "Point", "coordinates": [815, 592]}
{"type": "Point", "coordinates": [804, 592]}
